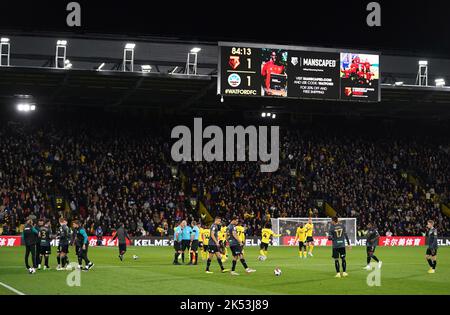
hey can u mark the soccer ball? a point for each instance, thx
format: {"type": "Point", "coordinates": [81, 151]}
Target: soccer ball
{"type": "Point", "coordinates": [277, 272]}
{"type": "Point", "coordinates": [262, 258]}
{"type": "Point", "coordinates": [135, 257]}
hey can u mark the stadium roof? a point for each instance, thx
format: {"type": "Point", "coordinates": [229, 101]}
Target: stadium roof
{"type": "Point", "coordinates": [166, 87]}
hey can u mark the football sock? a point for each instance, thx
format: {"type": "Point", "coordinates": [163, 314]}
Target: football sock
{"type": "Point", "coordinates": [344, 265]}
{"type": "Point", "coordinates": [64, 261]}
{"type": "Point", "coordinates": [46, 261]}
{"type": "Point", "coordinates": [368, 259]}
{"type": "Point", "coordinates": [434, 264]}
{"type": "Point", "coordinates": [175, 258]}
{"type": "Point", "coordinates": [265, 253]}
{"type": "Point", "coordinates": [58, 259]}
{"type": "Point", "coordinates": [336, 264]}
{"type": "Point", "coordinates": [233, 268]}
{"type": "Point", "coordinates": [375, 258]}
{"type": "Point", "coordinates": [80, 260]}
{"type": "Point", "coordinates": [220, 263]}
{"type": "Point", "coordinates": [244, 263]}
{"type": "Point", "coordinates": [300, 254]}
{"type": "Point", "coordinates": [311, 247]}
{"type": "Point", "coordinates": [196, 258]}
{"type": "Point", "coordinates": [261, 252]}
{"type": "Point", "coordinates": [430, 262]}
{"type": "Point", "coordinates": [208, 263]}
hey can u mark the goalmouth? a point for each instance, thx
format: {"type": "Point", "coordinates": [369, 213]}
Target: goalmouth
{"type": "Point", "coordinates": [287, 227]}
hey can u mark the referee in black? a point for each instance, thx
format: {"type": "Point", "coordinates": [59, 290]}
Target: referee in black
{"type": "Point", "coordinates": [29, 237]}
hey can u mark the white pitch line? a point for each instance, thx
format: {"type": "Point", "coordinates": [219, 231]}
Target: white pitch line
{"type": "Point", "coordinates": [11, 289]}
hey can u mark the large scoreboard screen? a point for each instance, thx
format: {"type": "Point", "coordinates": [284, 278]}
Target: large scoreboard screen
{"type": "Point", "coordinates": [297, 72]}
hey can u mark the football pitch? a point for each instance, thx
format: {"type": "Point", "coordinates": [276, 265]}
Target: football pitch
{"type": "Point", "coordinates": [404, 271]}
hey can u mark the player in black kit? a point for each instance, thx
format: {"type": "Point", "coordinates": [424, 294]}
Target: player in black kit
{"type": "Point", "coordinates": [38, 243]}
{"type": "Point", "coordinates": [372, 237]}
{"type": "Point", "coordinates": [45, 234]}
{"type": "Point", "coordinates": [63, 244]}
{"type": "Point", "coordinates": [338, 235]}
{"type": "Point", "coordinates": [213, 246]}
{"type": "Point", "coordinates": [236, 247]}
{"type": "Point", "coordinates": [432, 246]}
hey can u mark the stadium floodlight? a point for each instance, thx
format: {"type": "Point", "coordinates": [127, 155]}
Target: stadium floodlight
{"type": "Point", "coordinates": [146, 68]}
{"type": "Point", "coordinates": [422, 73]}
{"type": "Point", "coordinates": [440, 82]}
{"type": "Point", "coordinates": [398, 83]}
{"type": "Point", "coordinates": [191, 63]}
{"type": "Point", "coordinates": [60, 55]}
{"type": "Point", "coordinates": [5, 50]}
{"type": "Point", "coordinates": [263, 114]}
{"type": "Point", "coordinates": [26, 107]}
{"type": "Point", "coordinates": [128, 57]}
{"type": "Point", "coordinates": [274, 116]}
{"type": "Point", "coordinates": [67, 64]}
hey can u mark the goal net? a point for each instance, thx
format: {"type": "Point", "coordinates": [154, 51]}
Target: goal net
{"type": "Point", "coordinates": [287, 227]}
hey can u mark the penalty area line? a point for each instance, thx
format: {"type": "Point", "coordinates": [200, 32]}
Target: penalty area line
{"type": "Point", "coordinates": [11, 289]}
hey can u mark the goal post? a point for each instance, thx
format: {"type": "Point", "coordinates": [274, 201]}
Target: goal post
{"type": "Point", "coordinates": [287, 228]}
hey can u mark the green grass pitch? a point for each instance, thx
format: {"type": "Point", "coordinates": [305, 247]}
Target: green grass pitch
{"type": "Point", "coordinates": [404, 272]}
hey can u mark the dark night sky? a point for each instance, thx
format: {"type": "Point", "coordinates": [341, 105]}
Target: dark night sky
{"type": "Point", "coordinates": [414, 26]}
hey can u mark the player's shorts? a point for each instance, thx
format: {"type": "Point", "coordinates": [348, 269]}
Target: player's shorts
{"type": "Point", "coordinates": [339, 252]}
{"type": "Point", "coordinates": [185, 244]}
{"type": "Point", "coordinates": [194, 245]}
{"type": "Point", "coordinates": [45, 250]}
{"type": "Point", "coordinates": [263, 246]}
{"type": "Point", "coordinates": [213, 249]}
{"type": "Point", "coordinates": [200, 244]}
{"type": "Point", "coordinates": [370, 250]}
{"type": "Point", "coordinates": [205, 248]}
{"type": "Point", "coordinates": [79, 250]}
{"type": "Point", "coordinates": [122, 247]}
{"type": "Point", "coordinates": [309, 239]}
{"type": "Point", "coordinates": [177, 246]}
{"type": "Point", "coordinates": [236, 250]}
{"type": "Point", "coordinates": [63, 248]}
{"type": "Point", "coordinates": [431, 251]}
{"type": "Point", "coordinates": [301, 245]}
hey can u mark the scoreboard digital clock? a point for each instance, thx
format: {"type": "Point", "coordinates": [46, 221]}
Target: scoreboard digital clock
{"type": "Point", "coordinates": [297, 72]}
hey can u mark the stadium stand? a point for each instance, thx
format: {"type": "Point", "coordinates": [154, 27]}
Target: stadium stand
{"type": "Point", "coordinates": [107, 171]}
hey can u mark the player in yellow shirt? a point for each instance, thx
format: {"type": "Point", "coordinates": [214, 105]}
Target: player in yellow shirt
{"type": "Point", "coordinates": [266, 236]}
{"type": "Point", "coordinates": [309, 236]}
{"type": "Point", "coordinates": [222, 235]}
{"type": "Point", "coordinates": [301, 237]}
{"type": "Point", "coordinates": [204, 237]}
{"type": "Point", "coordinates": [240, 230]}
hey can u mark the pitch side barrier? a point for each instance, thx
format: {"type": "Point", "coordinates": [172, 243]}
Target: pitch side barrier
{"type": "Point", "coordinates": [394, 241]}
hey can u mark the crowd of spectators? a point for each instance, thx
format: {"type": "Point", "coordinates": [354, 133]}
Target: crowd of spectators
{"type": "Point", "coordinates": [106, 175]}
